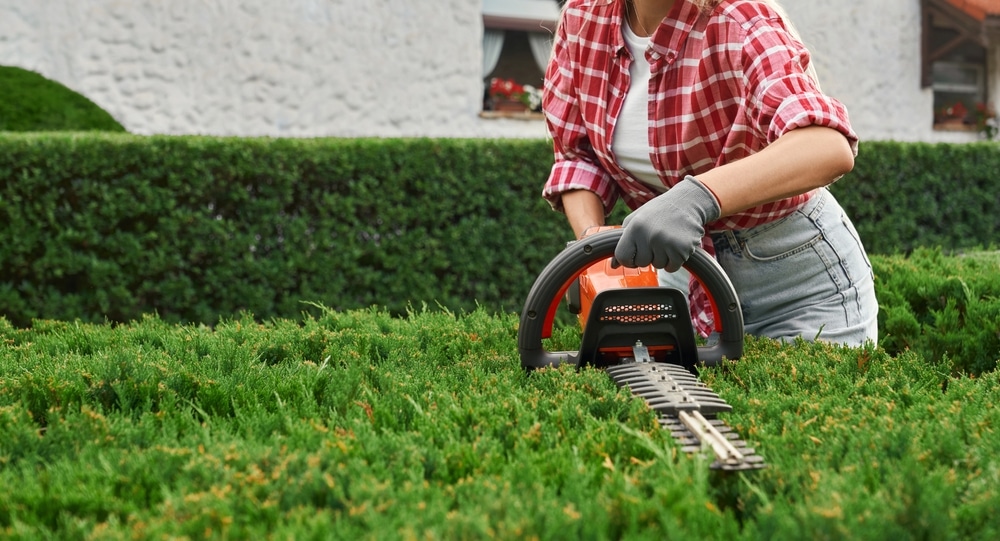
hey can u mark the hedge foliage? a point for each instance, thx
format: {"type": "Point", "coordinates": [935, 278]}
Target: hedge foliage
{"type": "Point", "coordinates": [947, 308]}
{"type": "Point", "coordinates": [99, 226]}
{"type": "Point", "coordinates": [904, 196]}
{"type": "Point", "coordinates": [363, 425]}
{"type": "Point", "coordinates": [198, 228]}
{"type": "Point", "coordinates": [32, 102]}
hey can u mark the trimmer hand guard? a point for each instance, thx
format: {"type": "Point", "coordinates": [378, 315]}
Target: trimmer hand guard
{"type": "Point", "coordinates": [550, 287]}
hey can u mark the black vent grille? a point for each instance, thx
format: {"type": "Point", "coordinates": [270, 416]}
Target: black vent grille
{"type": "Point", "coordinates": [638, 313]}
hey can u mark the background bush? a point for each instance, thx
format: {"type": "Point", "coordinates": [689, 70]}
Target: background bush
{"type": "Point", "coordinates": [903, 196]}
{"type": "Point", "coordinates": [33, 103]}
{"type": "Point", "coordinates": [98, 226]}
{"type": "Point", "coordinates": [193, 228]}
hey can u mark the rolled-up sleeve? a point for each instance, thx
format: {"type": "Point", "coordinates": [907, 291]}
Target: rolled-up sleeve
{"type": "Point", "coordinates": [576, 166]}
{"type": "Point", "coordinates": [781, 94]}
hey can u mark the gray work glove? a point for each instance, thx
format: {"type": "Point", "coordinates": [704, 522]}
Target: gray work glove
{"type": "Point", "coordinates": [665, 231]}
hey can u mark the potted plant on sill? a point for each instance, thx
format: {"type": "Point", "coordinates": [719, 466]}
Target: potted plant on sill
{"type": "Point", "coordinates": [506, 95]}
{"type": "Point", "coordinates": [985, 117]}
{"type": "Point", "coordinates": [952, 117]}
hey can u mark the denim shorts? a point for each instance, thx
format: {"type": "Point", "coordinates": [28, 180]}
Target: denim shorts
{"type": "Point", "coordinates": [805, 275]}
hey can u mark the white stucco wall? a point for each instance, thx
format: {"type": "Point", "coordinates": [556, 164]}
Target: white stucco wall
{"type": "Point", "coordinates": [867, 54]}
{"type": "Point", "coordinates": [350, 68]}
{"type": "Point", "coordinates": [259, 67]}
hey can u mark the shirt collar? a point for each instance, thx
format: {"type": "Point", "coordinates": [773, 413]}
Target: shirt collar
{"type": "Point", "coordinates": [668, 38]}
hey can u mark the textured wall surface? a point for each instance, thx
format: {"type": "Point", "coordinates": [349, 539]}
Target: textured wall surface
{"type": "Point", "coordinates": [867, 54]}
{"type": "Point", "coordinates": [378, 68]}
{"type": "Point", "coordinates": [258, 67]}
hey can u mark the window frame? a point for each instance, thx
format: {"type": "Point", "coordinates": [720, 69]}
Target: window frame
{"type": "Point", "coordinates": [518, 16]}
{"type": "Point", "coordinates": [938, 16]}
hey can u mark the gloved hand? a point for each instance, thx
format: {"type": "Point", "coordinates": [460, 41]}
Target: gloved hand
{"type": "Point", "coordinates": [666, 231]}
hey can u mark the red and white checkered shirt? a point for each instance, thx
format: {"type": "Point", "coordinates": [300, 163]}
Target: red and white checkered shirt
{"type": "Point", "coordinates": [724, 84]}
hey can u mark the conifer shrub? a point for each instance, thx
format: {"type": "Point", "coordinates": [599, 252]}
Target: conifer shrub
{"type": "Point", "coordinates": [946, 308]}
{"type": "Point", "coordinates": [368, 425]}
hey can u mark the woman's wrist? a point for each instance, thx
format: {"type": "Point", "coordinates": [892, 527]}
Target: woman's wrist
{"type": "Point", "coordinates": [584, 210]}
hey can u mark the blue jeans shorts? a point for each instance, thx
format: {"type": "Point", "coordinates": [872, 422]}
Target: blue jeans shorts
{"type": "Point", "coordinates": [805, 275]}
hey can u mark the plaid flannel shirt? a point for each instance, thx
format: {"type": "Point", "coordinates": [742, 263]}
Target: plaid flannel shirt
{"type": "Point", "coordinates": [723, 85]}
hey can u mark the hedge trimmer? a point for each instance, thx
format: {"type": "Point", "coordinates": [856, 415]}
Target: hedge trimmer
{"type": "Point", "coordinates": [642, 336]}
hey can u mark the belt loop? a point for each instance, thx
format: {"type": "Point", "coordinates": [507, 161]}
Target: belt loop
{"type": "Point", "coordinates": [727, 237]}
{"type": "Point", "coordinates": [817, 201]}
{"type": "Point", "coordinates": [734, 242]}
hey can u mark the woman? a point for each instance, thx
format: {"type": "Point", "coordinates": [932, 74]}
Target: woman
{"type": "Point", "coordinates": [706, 118]}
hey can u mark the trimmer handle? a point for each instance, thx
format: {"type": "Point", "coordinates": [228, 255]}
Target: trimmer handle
{"type": "Point", "coordinates": [550, 287]}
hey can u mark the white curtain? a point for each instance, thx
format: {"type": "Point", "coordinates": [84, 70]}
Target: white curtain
{"type": "Point", "coordinates": [492, 45]}
{"type": "Point", "coordinates": [541, 48]}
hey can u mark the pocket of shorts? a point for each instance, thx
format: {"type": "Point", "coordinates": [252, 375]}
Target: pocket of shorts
{"type": "Point", "coordinates": [857, 241]}
{"type": "Point", "coordinates": [786, 237]}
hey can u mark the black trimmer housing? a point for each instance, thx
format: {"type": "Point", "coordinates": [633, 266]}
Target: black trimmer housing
{"type": "Point", "coordinates": [629, 320]}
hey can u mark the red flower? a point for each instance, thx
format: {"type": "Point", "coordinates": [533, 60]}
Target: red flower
{"type": "Point", "coordinates": [505, 88]}
{"type": "Point", "coordinates": [958, 110]}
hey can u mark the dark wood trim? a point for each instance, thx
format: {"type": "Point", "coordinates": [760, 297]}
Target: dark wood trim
{"type": "Point", "coordinates": [943, 50]}
{"type": "Point", "coordinates": [925, 46]}
{"type": "Point", "coordinates": [966, 24]}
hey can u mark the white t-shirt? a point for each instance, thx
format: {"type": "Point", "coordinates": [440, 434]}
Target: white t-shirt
{"type": "Point", "coordinates": [630, 141]}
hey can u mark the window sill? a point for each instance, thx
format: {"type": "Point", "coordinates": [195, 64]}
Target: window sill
{"type": "Point", "coordinates": [954, 126]}
{"type": "Point", "coordinates": [525, 115]}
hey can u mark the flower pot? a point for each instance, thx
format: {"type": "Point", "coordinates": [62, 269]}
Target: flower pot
{"type": "Point", "coordinates": [509, 106]}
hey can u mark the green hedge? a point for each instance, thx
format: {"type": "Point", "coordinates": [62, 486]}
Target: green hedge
{"type": "Point", "coordinates": [360, 425]}
{"type": "Point", "coordinates": [945, 308]}
{"type": "Point", "coordinates": [106, 226]}
{"type": "Point", "coordinates": [97, 227]}
{"type": "Point", "coordinates": [32, 102]}
{"type": "Point", "coordinates": [903, 196]}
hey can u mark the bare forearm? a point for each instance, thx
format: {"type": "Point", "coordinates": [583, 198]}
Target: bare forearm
{"type": "Point", "coordinates": [584, 209]}
{"type": "Point", "coordinates": [799, 161]}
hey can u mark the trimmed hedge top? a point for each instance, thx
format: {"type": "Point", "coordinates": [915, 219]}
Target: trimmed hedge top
{"type": "Point", "coordinates": [195, 229]}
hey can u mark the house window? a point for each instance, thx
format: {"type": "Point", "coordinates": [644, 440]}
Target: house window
{"type": "Point", "coordinates": [959, 88]}
{"type": "Point", "coordinates": [517, 39]}
{"type": "Point", "coordinates": [954, 64]}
